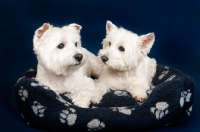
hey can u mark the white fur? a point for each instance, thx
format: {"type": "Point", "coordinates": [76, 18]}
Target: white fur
{"type": "Point", "coordinates": [58, 68]}
{"type": "Point", "coordinates": [131, 69]}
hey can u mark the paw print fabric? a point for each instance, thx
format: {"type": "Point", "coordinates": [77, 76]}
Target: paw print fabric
{"type": "Point", "coordinates": [160, 110]}
{"type": "Point", "coordinates": [68, 116]}
{"type": "Point", "coordinates": [38, 109]}
{"type": "Point", "coordinates": [170, 102]}
{"type": "Point", "coordinates": [185, 97]}
{"type": "Point", "coordinates": [95, 124]}
{"type": "Point", "coordinates": [23, 93]}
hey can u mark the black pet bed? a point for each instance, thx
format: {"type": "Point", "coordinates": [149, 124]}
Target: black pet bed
{"type": "Point", "coordinates": [169, 103]}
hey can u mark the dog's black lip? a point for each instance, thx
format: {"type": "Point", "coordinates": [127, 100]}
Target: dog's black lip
{"type": "Point", "coordinates": [75, 64]}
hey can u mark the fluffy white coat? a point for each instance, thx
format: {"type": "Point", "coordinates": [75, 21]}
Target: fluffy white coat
{"type": "Point", "coordinates": [127, 66]}
{"type": "Point", "coordinates": [63, 65]}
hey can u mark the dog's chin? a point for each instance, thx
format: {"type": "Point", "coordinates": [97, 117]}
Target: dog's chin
{"type": "Point", "coordinates": [76, 65]}
{"type": "Point", "coordinates": [116, 68]}
{"type": "Point", "coordinates": [79, 63]}
{"type": "Point", "coordinates": [112, 68]}
{"type": "Point", "coordinates": [71, 68]}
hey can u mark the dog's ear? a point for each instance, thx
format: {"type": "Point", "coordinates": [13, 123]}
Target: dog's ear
{"type": "Point", "coordinates": [40, 31]}
{"type": "Point", "coordinates": [76, 26]}
{"type": "Point", "coordinates": [110, 26]}
{"type": "Point", "coordinates": [146, 43]}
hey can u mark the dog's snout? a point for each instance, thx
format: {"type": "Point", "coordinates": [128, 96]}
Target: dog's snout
{"type": "Point", "coordinates": [78, 57]}
{"type": "Point", "coordinates": [104, 58]}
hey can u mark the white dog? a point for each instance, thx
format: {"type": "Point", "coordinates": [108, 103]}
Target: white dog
{"type": "Point", "coordinates": [63, 65]}
{"type": "Point", "coordinates": [127, 66]}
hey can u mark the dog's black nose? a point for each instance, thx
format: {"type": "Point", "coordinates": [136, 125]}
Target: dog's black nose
{"type": "Point", "coordinates": [104, 58]}
{"type": "Point", "coordinates": [78, 57]}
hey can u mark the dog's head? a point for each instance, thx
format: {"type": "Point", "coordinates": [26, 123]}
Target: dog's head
{"type": "Point", "coordinates": [123, 49]}
{"type": "Point", "coordinates": [58, 50]}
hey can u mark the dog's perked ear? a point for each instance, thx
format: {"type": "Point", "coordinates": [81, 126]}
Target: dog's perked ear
{"type": "Point", "coordinates": [76, 26]}
{"type": "Point", "coordinates": [40, 31]}
{"type": "Point", "coordinates": [110, 26]}
{"type": "Point", "coordinates": [146, 43]}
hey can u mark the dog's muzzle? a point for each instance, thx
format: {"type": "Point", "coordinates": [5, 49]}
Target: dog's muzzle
{"type": "Point", "coordinates": [78, 57]}
{"type": "Point", "coordinates": [104, 58]}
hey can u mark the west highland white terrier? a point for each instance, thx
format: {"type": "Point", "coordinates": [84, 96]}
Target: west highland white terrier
{"type": "Point", "coordinates": [127, 66]}
{"type": "Point", "coordinates": [63, 65]}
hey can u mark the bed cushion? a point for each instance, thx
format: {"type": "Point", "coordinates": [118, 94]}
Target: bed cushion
{"type": "Point", "coordinates": [169, 102]}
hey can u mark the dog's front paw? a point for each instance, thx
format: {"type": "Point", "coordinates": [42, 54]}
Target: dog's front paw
{"type": "Point", "coordinates": [140, 97]}
{"type": "Point", "coordinates": [96, 99]}
{"type": "Point", "coordinates": [82, 104]}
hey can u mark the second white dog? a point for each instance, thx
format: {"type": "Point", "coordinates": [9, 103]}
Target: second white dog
{"type": "Point", "coordinates": [63, 64]}
{"type": "Point", "coordinates": [127, 66]}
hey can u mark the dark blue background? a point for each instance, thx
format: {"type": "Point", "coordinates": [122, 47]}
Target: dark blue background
{"type": "Point", "coordinates": [176, 24]}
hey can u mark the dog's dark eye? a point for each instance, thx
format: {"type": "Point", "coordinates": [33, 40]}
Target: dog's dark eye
{"type": "Point", "coordinates": [121, 48]}
{"type": "Point", "coordinates": [60, 46]}
{"type": "Point", "coordinates": [76, 44]}
{"type": "Point", "coordinates": [109, 44]}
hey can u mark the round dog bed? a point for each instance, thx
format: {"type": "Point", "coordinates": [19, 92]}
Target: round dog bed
{"type": "Point", "coordinates": [169, 102]}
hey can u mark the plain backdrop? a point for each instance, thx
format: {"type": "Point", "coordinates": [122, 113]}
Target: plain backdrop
{"type": "Point", "coordinates": [176, 24]}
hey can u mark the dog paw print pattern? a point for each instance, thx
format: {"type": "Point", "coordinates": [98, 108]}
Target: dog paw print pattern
{"type": "Point", "coordinates": [160, 110]}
